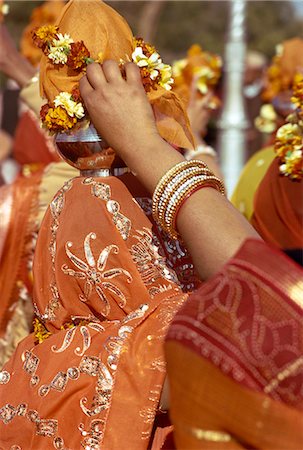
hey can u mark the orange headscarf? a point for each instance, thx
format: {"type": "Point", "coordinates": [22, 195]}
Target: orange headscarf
{"type": "Point", "coordinates": [105, 32]}
{"type": "Point", "coordinates": [201, 65]}
{"type": "Point", "coordinates": [278, 211]}
{"type": "Point", "coordinates": [285, 64]}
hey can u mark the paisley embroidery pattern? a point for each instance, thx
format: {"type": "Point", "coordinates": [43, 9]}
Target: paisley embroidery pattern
{"type": "Point", "coordinates": [56, 208]}
{"type": "Point", "coordinates": [148, 261]}
{"type": "Point", "coordinates": [103, 192]}
{"type": "Point", "coordinates": [176, 256]}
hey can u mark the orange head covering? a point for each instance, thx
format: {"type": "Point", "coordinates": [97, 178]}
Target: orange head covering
{"type": "Point", "coordinates": [278, 210]}
{"type": "Point", "coordinates": [106, 35]}
{"type": "Point", "coordinates": [47, 13]}
{"type": "Point", "coordinates": [199, 65]}
{"type": "Point", "coordinates": [285, 64]}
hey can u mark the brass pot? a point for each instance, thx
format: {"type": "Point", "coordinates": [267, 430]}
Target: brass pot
{"type": "Point", "coordinates": [85, 150]}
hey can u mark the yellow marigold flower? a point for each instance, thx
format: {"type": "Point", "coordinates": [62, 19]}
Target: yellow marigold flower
{"type": "Point", "coordinates": [297, 97]}
{"type": "Point", "coordinates": [293, 166]}
{"type": "Point", "coordinates": [266, 122]}
{"type": "Point", "coordinates": [288, 131]}
{"type": "Point", "coordinates": [45, 34]}
{"type": "Point", "coordinates": [58, 120]}
{"type": "Point", "coordinates": [40, 331]}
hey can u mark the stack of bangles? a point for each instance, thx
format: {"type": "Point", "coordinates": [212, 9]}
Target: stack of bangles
{"type": "Point", "coordinates": [176, 186]}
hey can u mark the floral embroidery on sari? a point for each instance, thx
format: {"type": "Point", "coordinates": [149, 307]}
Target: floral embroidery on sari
{"type": "Point", "coordinates": [94, 273]}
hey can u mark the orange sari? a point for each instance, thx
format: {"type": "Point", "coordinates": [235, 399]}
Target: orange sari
{"type": "Point", "coordinates": [234, 356]}
{"type": "Point", "coordinates": [278, 210]}
{"type": "Point", "coordinates": [104, 298]}
{"type": "Point", "coordinates": [19, 202]}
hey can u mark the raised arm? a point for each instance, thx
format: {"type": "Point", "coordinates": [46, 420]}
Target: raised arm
{"type": "Point", "coordinates": [211, 228]}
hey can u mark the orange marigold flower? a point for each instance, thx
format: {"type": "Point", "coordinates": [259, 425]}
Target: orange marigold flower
{"type": "Point", "coordinates": [78, 55]}
{"type": "Point", "coordinates": [297, 97]}
{"type": "Point", "coordinates": [148, 83]}
{"type": "Point", "coordinates": [43, 111]}
{"type": "Point", "coordinates": [76, 96]}
{"type": "Point", "coordinates": [44, 35]}
{"type": "Point", "coordinates": [57, 120]}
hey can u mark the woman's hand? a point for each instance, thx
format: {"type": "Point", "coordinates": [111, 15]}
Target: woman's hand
{"type": "Point", "coordinates": [118, 107]}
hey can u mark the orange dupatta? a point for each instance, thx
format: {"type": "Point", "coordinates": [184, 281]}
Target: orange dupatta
{"type": "Point", "coordinates": [106, 297]}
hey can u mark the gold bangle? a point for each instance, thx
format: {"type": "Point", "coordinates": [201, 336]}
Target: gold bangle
{"type": "Point", "coordinates": [170, 175]}
{"type": "Point", "coordinates": [176, 186]}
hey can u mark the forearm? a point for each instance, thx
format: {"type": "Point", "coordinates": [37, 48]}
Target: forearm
{"type": "Point", "coordinates": [19, 69]}
{"type": "Point", "coordinates": [211, 228]}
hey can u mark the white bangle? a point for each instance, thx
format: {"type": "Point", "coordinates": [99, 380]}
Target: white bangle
{"type": "Point", "coordinates": [201, 149]}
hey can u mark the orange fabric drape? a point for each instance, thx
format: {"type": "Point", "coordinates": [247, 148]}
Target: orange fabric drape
{"type": "Point", "coordinates": [24, 205]}
{"type": "Point", "coordinates": [243, 419]}
{"type": "Point", "coordinates": [278, 209]}
{"type": "Point", "coordinates": [31, 143]}
{"type": "Point", "coordinates": [234, 356]}
{"type": "Point", "coordinates": [106, 297]}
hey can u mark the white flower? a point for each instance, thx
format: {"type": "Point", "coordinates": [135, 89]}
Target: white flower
{"type": "Point", "coordinates": [142, 60]}
{"type": "Point", "coordinates": [139, 58]}
{"type": "Point", "coordinates": [267, 112]}
{"type": "Point", "coordinates": [64, 40]}
{"type": "Point", "coordinates": [60, 48]}
{"type": "Point", "coordinates": [279, 49]}
{"type": "Point", "coordinates": [293, 156]}
{"type": "Point", "coordinates": [287, 131]}
{"type": "Point", "coordinates": [166, 76]}
{"type": "Point", "coordinates": [155, 67]}
{"type": "Point", "coordinates": [72, 108]}
{"type": "Point", "coordinates": [282, 168]}
{"type": "Point", "coordinates": [266, 121]}
{"type": "Point", "coordinates": [4, 9]}
{"type": "Point", "coordinates": [57, 55]}
{"type": "Point", "coordinates": [178, 67]}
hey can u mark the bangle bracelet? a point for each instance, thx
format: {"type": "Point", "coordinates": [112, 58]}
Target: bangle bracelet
{"type": "Point", "coordinates": [176, 186]}
{"type": "Point", "coordinates": [171, 175]}
{"type": "Point", "coordinates": [200, 150]}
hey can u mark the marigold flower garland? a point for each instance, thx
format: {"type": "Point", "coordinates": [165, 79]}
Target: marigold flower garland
{"type": "Point", "coordinates": [67, 111]}
{"type": "Point", "coordinates": [289, 137]}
